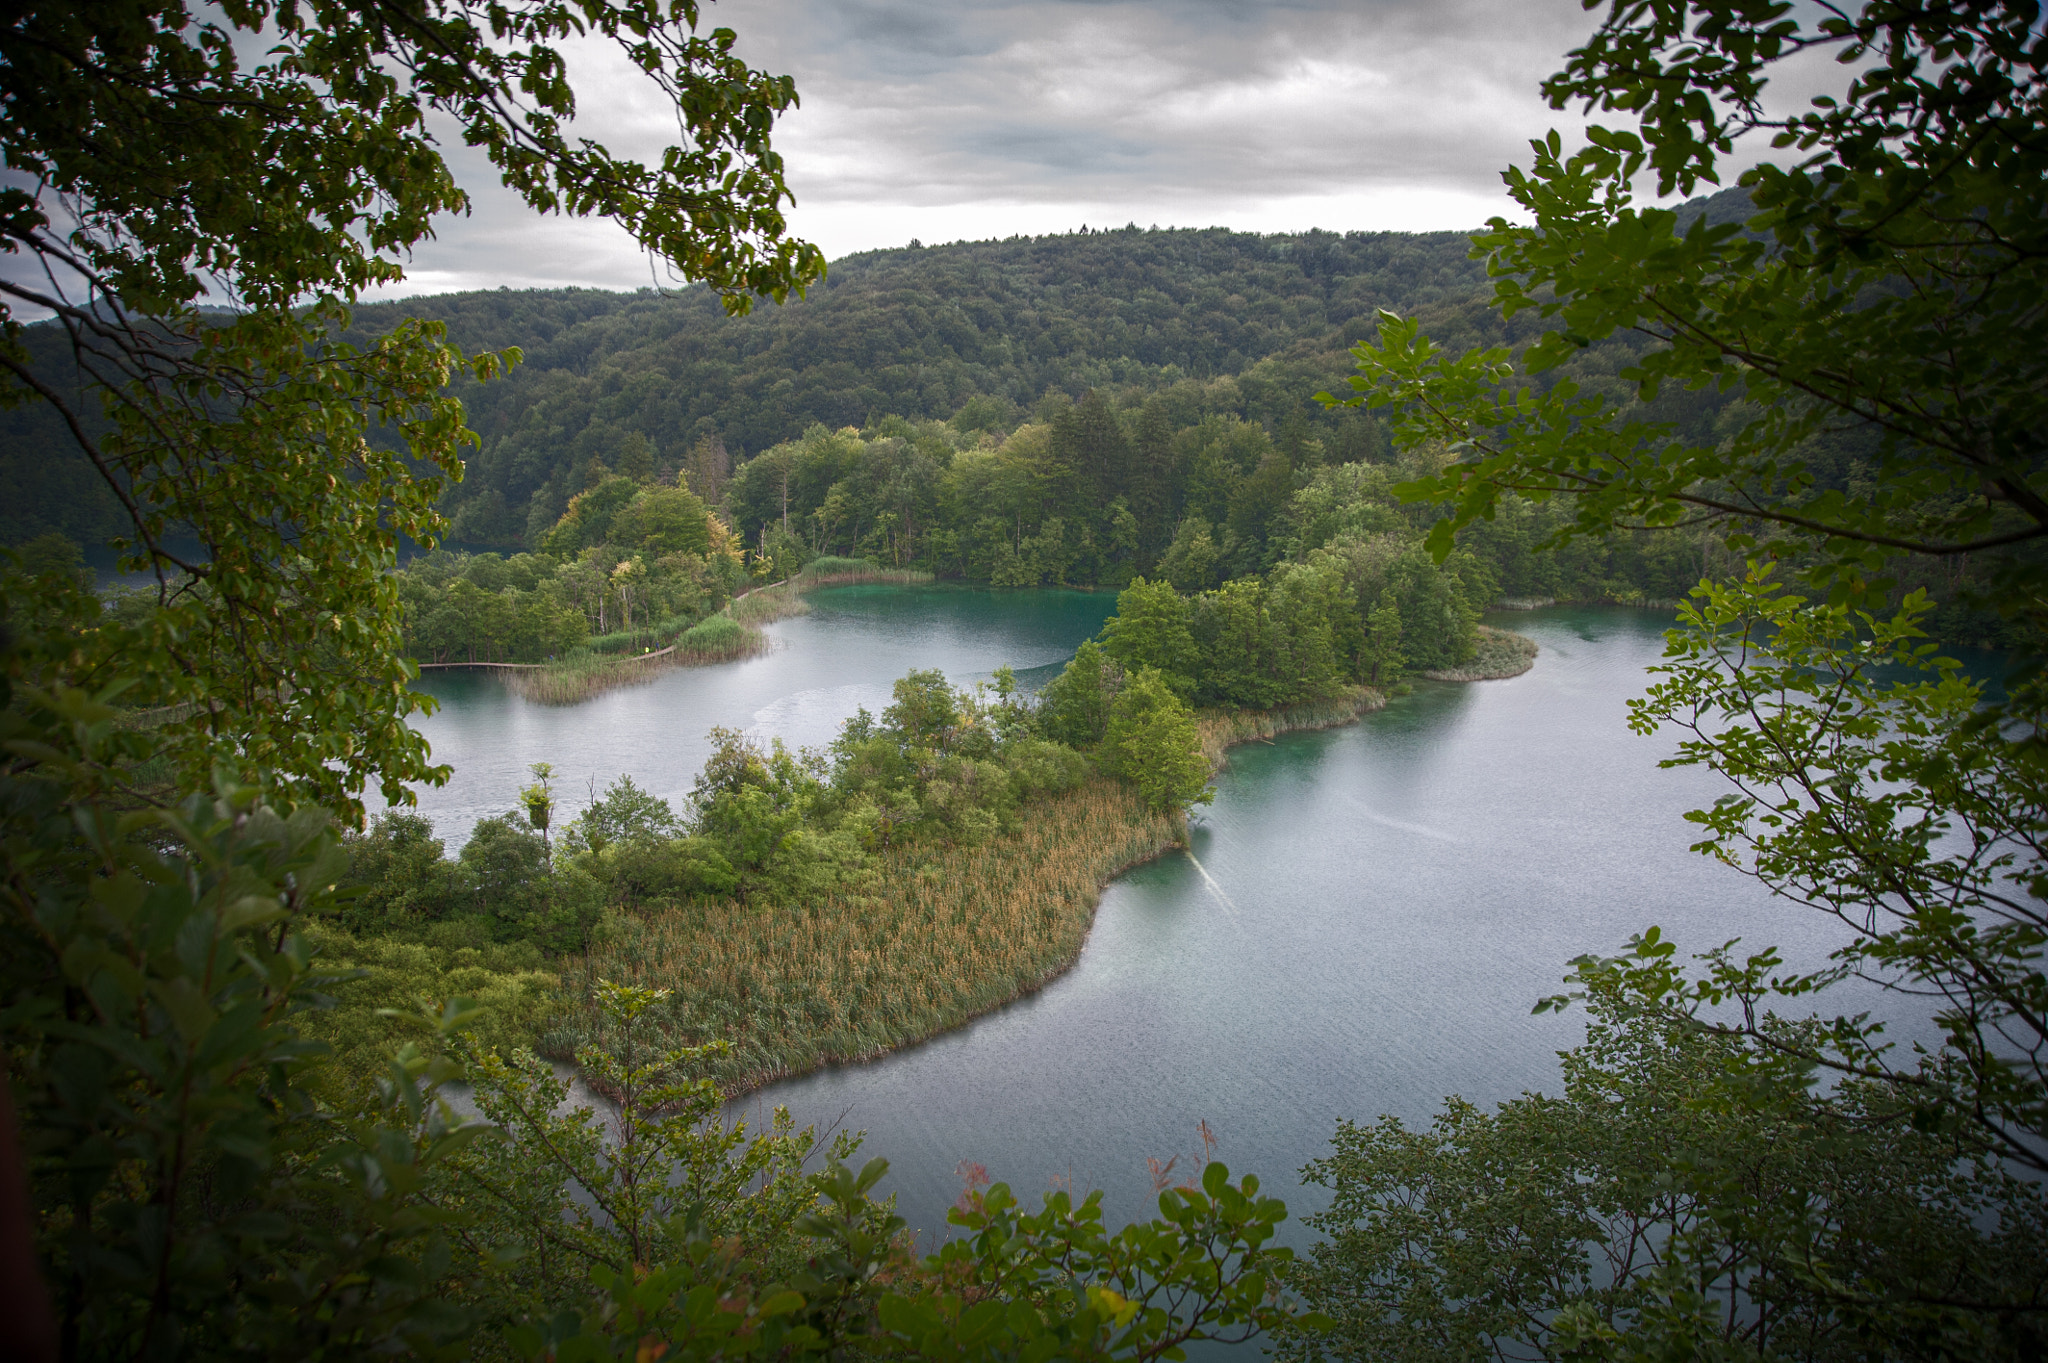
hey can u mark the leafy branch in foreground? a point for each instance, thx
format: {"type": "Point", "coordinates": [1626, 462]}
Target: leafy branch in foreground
{"type": "Point", "coordinates": [1675, 1201]}
{"type": "Point", "coordinates": [1880, 313]}
{"type": "Point", "coordinates": [267, 469]}
{"type": "Point", "coordinates": [192, 1199]}
{"type": "Point", "coordinates": [1868, 786]}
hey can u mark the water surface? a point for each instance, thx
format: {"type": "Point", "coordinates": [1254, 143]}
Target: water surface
{"type": "Point", "coordinates": [822, 667]}
{"type": "Point", "coordinates": [1364, 921]}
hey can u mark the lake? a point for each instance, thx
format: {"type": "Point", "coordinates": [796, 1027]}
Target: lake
{"type": "Point", "coordinates": [1361, 926]}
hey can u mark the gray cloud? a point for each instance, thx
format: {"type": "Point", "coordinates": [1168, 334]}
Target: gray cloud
{"type": "Point", "coordinates": [949, 119]}
{"type": "Point", "coordinates": [982, 118]}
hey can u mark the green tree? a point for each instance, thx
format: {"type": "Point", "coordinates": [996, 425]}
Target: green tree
{"type": "Point", "coordinates": [1882, 299]}
{"type": "Point", "coordinates": [926, 712]}
{"type": "Point", "coordinates": [626, 813]}
{"type": "Point", "coordinates": [1152, 742]}
{"type": "Point", "coordinates": [1150, 629]}
{"type": "Point", "coordinates": [193, 1198]}
{"type": "Point", "coordinates": [280, 177]}
{"type": "Point", "coordinates": [1380, 658]}
{"type": "Point", "coordinates": [664, 520]}
{"type": "Point", "coordinates": [1672, 1202]}
{"type": "Point", "coordinates": [1073, 708]}
{"type": "Point", "coordinates": [1890, 284]}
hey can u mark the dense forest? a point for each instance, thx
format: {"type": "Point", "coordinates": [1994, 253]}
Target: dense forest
{"type": "Point", "coordinates": [988, 328]}
{"type": "Point", "coordinates": [1080, 409]}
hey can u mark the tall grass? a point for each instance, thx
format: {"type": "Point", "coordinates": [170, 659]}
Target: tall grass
{"type": "Point", "coordinates": [609, 661]}
{"type": "Point", "coordinates": [932, 939]}
{"type": "Point", "coordinates": [1497, 654]}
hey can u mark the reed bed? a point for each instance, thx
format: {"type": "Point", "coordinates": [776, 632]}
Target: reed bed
{"type": "Point", "coordinates": [1220, 729]}
{"type": "Point", "coordinates": [581, 676]}
{"type": "Point", "coordinates": [732, 634]}
{"type": "Point", "coordinates": [936, 937]}
{"type": "Point", "coordinates": [1499, 654]}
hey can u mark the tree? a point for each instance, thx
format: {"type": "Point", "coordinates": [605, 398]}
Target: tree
{"type": "Point", "coordinates": [170, 170]}
{"type": "Point", "coordinates": [1073, 708]}
{"type": "Point", "coordinates": [1885, 298]}
{"type": "Point", "coordinates": [1866, 787]}
{"type": "Point", "coordinates": [1150, 629]}
{"type": "Point", "coordinates": [538, 800]}
{"type": "Point", "coordinates": [1892, 287]}
{"type": "Point", "coordinates": [626, 813]}
{"type": "Point", "coordinates": [1152, 742]}
{"type": "Point", "coordinates": [1671, 1203]}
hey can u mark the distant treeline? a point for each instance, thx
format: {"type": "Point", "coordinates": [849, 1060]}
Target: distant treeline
{"type": "Point", "coordinates": [1085, 408]}
{"type": "Point", "coordinates": [917, 332]}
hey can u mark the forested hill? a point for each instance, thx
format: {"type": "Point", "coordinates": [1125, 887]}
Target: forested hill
{"type": "Point", "coordinates": [915, 332]}
{"type": "Point", "coordinates": [919, 332]}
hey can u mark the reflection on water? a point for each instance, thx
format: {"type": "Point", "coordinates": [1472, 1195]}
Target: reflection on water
{"type": "Point", "coordinates": [1366, 918]}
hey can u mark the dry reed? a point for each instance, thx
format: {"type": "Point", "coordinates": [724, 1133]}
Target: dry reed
{"type": "Point", "coordinates": [1498, 654]}
{"type": "Point", "coordinates": [934, 938]}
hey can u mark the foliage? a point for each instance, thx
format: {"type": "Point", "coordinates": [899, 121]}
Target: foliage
{"type": "Point", "coordinates": [531, 607]}
{"type": "Point", "coordinates": [1358, 610]}
{"type": "Point", "coordinates": [216, 1183]}
{"type": "Point", "coordinates": [502, 888]}
{"type": "Point", "coordinates": [1697, 1182]}
{"type": "Point", "coordinates": [1151, 740]}
{"type": "Point", "coordinates": [378, 987]}
{"type": "Point", "coordinates": [194, 1198]}
{"type": "Point", "coordinates": [1871, 310]}
{"type": "Point", "coordinates": [1073, 708]}
{"type": "Point", "coordinates": [1878, 314]}
{"type": "Point", "coordinates": [1022, 1285]}
{"type": "Point", "coordinates": [971, 335]}
{"type": "Point", "coordinates": [1675, 1201]}
{"type": "Point", "coordinates": [264, 466]}
{"type": "Point", "coordinates": [1867, 786]}
{"type": "Point", "coordinates": [947, 764]}
{"type": "Point", "coordinates": [1151, 629]}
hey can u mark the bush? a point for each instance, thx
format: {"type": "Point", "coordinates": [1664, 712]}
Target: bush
{"type": "Point", "coordinates": [514, 992]}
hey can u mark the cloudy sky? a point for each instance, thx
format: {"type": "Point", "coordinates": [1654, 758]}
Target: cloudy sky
{"type": "Point", "coordinates": [966, 119]}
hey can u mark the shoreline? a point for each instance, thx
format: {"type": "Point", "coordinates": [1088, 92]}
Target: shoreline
{"type": "Point", "coordinates": [1501, 654]}
{"type": "Point", "coordinates": [1047, 878]}
{"type": "Point", "coordinates": [571, 683]}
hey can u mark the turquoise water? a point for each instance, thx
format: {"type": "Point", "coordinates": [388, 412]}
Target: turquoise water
{"type": "Point", "coordinates": [843, 655]}
{"type": "Point", "coordinates": [1365, 920]}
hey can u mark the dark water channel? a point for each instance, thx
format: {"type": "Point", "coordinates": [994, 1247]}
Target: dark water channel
{"type": "Point", "coordinates": [1365, 921]}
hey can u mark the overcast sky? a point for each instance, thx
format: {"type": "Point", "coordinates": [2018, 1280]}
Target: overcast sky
{"type": "Point", "coordinates": [967, 119]}
{"type": "Point", "coordinates": [945, 120]}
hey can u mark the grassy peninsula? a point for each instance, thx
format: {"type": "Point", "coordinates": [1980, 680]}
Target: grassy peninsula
{"type": "Point", "coordinates": [734, 632]}
{"type": "Point", "coordinates": [940, 860]}
{"type": "Point", "coordinates": [931, 938]}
